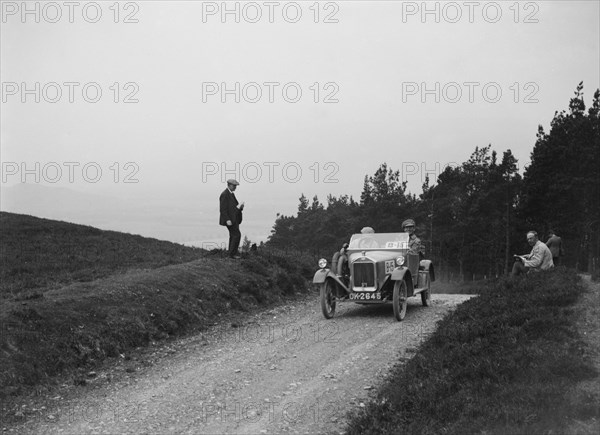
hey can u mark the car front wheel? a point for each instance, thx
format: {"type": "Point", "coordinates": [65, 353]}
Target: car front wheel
{"type": "Point", "coordinates": [400, 300]}
{"type": "Point", "coordinates": [328, 299]}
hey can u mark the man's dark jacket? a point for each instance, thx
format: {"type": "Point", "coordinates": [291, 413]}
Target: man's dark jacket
{"type": "Point", "coordinates": [228, 207]}
{"type": "Point", "coordinates": [554, 243]}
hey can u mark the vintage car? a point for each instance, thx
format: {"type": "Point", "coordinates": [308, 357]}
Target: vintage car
{"type": "Point", "coordinates": [374, 269]}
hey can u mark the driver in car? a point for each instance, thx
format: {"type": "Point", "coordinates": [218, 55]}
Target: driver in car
{"type": "Point", "coordinates": [367, 241]}
{"type": "Point", "coordinates": [415, 246]}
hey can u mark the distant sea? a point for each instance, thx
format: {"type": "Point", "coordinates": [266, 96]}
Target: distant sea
{"type": "Point", "coordinates": [188, 223]}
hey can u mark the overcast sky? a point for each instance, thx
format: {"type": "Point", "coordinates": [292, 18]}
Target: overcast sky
{"type": "Point", "coordinates": [378, 81]}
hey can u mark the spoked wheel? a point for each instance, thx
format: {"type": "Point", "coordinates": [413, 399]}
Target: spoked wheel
{"type": "Point", "coordinates": [400, 300]}
{"type": "Point", "coordinates": [328, 299]}
{"type": "Point", "coordinates": [426, 295]}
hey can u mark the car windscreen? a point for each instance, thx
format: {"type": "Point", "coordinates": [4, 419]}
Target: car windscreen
{"type": "Point", "coordinates": [379, 241]}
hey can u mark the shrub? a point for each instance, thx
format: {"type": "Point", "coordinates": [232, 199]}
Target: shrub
{"type": "Point", "coordinates": [500, 363]}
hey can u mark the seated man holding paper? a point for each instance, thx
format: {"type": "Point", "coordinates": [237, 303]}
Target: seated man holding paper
{"type": "Point", "coordinates": [540, 257]}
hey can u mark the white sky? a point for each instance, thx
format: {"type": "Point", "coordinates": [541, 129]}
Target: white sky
{"type": "Point", "coordinates": [374, 52]}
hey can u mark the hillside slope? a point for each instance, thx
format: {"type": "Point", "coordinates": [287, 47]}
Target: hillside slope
{"type": "Point", "coordinates": [38, 254]}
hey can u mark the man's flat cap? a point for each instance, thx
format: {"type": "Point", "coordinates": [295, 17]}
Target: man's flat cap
{"type": "Point", "coordinates": [408, 223]}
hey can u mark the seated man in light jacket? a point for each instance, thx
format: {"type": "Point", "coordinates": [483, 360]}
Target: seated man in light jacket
{"type": "Point", "coordinates": [539, 259]}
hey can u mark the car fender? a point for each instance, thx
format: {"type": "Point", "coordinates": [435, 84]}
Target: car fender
{"type": "Point", "coordinates": [403, 273]}
{"type": "Point", "coordinates": [324, 274]}
{"type": "Point", "coordinates": [427, 265]}
{"type": "Point", "coordinates": [321, 275]}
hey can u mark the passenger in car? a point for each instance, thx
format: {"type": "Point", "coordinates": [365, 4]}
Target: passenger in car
{"type": "Point", "coordinates": [415, 246]}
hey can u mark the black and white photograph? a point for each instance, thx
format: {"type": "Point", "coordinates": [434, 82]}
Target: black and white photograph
{"type": "Point", "coordinates": [300, 217]}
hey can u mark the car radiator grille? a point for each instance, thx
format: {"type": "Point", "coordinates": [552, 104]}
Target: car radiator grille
{"type": "Point", "coordinates": [364, 274]}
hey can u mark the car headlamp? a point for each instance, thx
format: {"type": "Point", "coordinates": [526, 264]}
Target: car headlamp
{"type": "Point", "coordinates": [400, 260]}
{"type": "Point", "coordinates": [322, 263]}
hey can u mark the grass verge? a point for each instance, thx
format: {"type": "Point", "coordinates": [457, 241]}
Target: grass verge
{"type": "Point", "coordinates": [501, 363]}
{"type": "Point", "coordinates": [81, 324]}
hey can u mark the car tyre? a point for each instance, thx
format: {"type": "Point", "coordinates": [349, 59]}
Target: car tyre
{"type": "Point", "coordinates": [400, 300]}
{"type": "Point", "coordinates": [328, 299]}
{"type": "Point", "coordinates": [426, 295]}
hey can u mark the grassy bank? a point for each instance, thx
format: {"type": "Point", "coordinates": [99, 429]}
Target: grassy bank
{"type": "Point", "coordinates": [73, 323]}
{"type": "Point", "coordinates": [37, 255]}
{"type": "Point", "coordinates": [503, 362]}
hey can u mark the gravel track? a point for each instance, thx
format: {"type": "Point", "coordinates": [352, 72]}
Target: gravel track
{"type": "Point", "coordinates": [286, 370]}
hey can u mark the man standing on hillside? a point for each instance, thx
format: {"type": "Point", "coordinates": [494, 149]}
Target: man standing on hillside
{"type": "Point", "coordinates": [231, 216]}
{"type": "Point", "coordinates": [540, 257]}
{"type": "Point", "coordinates": [554, 243]}
{"type": "Point", "coordinates": [414, 243]}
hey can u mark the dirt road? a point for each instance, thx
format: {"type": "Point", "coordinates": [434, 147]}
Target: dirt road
{"type": "Point", "coordinates": [284, 370]}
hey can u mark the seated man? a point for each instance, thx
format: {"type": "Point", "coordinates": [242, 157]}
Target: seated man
{"type": "Point", "coordinates": [339, 263]}
{"type": "Point", "coordinates": [414, 243]}
{"type": "Point", "coordinates": [540, 257]}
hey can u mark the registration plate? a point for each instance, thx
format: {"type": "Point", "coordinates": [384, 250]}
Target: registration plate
{"type": "Point", "coordinates": [366, 296]}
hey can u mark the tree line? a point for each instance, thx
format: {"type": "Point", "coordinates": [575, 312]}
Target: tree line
{"type": "Point", "coordinates": [475, 215]}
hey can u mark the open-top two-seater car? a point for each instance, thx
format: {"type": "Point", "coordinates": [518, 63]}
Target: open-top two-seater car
{"type": "Point", "coordinates": [374, 269]}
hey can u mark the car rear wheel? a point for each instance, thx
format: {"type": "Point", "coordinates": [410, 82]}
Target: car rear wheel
{"type": "Point", "coordinates": [426, 294]}
{"type": "Point", "coordinates": [328, 299]}
{"type": "Point", "coordinates": [400, 300]}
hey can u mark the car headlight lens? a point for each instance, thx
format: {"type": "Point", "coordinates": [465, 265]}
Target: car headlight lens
{"type": "Point", "coordinates": [322, 263]}
{"type": "Point", "coordinates": [400, 260]}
